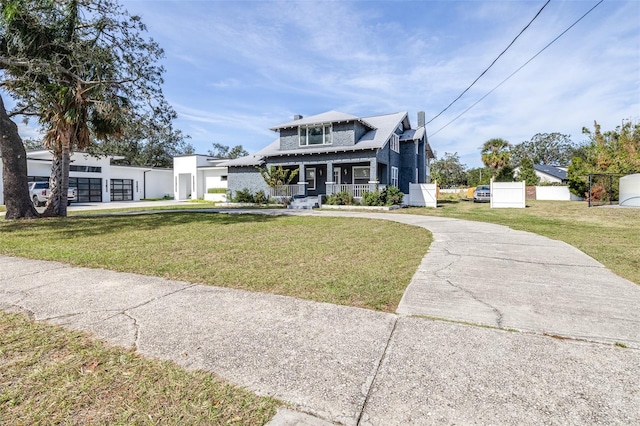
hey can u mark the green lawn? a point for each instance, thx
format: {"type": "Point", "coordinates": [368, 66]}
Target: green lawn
{"type": "Point", "coordinates": [51, 376]}
{"type": "Point", "coordinates": [611, 235]}
{"type": "Point", "coordinates": [355, 262]}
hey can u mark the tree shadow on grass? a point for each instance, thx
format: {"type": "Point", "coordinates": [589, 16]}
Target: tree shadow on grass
{"type": "Point", "coordinates": [70, 227]}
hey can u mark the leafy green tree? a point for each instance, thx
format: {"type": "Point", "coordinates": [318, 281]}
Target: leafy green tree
{"type": "Point", "coordinates": [84, 70]}
{"type": "Point", "coordinates": [545, 148]}
{"type": "Point", "coordinates": [144, 143]}
{"type": "Point", "coordinates": [479, 176]}
{"type": "Point", "coordinates": [615, 151]}
{"type": "Point", "coordinates": [527, 173]}
{"type": "Point", "coordinates": [495, 154]}
{"type": "Point", "coordinates": [504, 174]}
{"type": "Point", "coordinates": [448, 171]}
{"type": "Point", "coordinates": [225, 151]}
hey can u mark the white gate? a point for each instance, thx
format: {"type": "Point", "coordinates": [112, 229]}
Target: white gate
{"type": "Point", "coordinates": [423, 195]}
{"type": "Point", "coordinates": [508, 195]}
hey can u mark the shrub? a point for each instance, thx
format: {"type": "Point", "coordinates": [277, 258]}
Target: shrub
{"type": "Point", "coordinates": [244, 196]}
{"type": "Point", "coordinates": [216, 191]}
{"type": "Point", "coordinates": [392, 195]}
{"type": "Point", "coordinates": [372, 198]}
{"type": "Point", "coordinates": [342, 198]}
{"type": "Point", "coordinates": [260, 198]}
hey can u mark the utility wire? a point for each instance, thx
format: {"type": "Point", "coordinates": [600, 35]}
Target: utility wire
{"type": "Point", "coordinates": [492, 63]}
{"type": "Point", "coordinates": [522, 66]}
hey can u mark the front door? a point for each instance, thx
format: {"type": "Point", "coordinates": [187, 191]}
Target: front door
{"type": "Point", "coordinates": [336, 175]}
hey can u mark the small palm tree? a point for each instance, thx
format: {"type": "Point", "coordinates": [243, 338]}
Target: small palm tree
{"type": "Point", "coordinates": [496, 154]}
{"type": "Point", "coordinates": [275, 176]}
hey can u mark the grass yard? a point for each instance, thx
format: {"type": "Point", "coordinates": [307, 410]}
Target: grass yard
{"type": "Point", "coordinates": [53, 376]}
{"type": "Point", "coordinates": [355, 262]}
{"type": "Point", "coordinates": [609, 235]}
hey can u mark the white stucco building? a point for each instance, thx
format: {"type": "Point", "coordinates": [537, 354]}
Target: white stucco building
{"type": "Point", "coordinates": [97, 180]}
{"type": "Point", "coordinates": [193, 175]}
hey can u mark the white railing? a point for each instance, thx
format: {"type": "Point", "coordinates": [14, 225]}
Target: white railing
{"type": "Point", "coordinates": [286, 190]}
{"type": "Point", "coordinates": [356, 189]}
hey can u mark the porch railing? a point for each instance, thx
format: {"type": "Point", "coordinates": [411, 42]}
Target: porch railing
{"type": "Point", "coordinates": [286, 190]}
{"type": "Point", "coordinates": [354, 189]}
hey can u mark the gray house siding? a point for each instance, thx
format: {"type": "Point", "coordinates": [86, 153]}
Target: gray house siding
{"type": "Point", "coordinates": [409, 161]}
{"type": "Point", "coordinates": [359, 130]}
{"type": "Point", "coordinates": [247, 177]}
{"type": "Point", "coordinates": [343, 134]}
{"type": "Point", "coordinates": [289, 139]}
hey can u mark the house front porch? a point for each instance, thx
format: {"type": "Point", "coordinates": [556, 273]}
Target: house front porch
{"type": "Point", "coordinates": [328, 178]}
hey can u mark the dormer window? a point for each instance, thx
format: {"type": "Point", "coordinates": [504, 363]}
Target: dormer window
{"type": "Point", "coordinates": [315, 135]}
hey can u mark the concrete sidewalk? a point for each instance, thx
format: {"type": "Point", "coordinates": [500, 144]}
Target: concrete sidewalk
{"type": "Point", "coordinates": [497, 327]}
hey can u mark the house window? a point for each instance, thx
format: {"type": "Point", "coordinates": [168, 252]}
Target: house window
{"type": "Point", "coordinates": [85, 169]}
{"type": "Point", "coordinates": [310, 178]}
{"type": "Point", "coordinates": [223, 178]}
{"type": "Point", "coordinates": [394, 143]}
{"type": "Point", "coordinates": [361, 175]}
{"type": "Point", "coordinates": [315, 135]}
{"type": "Point", "coordinates": [394, 176]}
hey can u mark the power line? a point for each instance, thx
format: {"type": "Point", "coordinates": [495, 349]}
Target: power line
{"type": "Point", "coordinates": [492, 63]}
{"type": "Point", "coordinates": [522, 66]}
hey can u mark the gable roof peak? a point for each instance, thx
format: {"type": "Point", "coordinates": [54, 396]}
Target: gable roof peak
{"type": "Point", "coordinates": [323, 118]}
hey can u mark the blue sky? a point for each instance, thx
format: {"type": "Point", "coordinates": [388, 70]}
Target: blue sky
{"type": "Point", "coordinates": [236, 68]}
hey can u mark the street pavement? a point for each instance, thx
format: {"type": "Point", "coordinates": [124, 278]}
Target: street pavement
{"type": "Point", "coordinates": [496, 327]}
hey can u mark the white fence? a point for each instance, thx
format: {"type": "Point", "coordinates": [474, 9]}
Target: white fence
{"type": "Point", "coordinates": [354, 189]}
{"type": "Point", "coordinates": [557, 193]}
{"type": "Point", "coordinates": [508, 195]}
{"type": "Point", "coordinates": [423, 195]}
{"type": "Point", "coordinates": [286, 190]}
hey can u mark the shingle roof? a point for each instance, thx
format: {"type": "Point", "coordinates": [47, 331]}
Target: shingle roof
{"type": "Point", "coordinates": [324, 118]}
{"type": "Point", "coordinates": [554, 171]}
{"type": "Point", "coordinates": [412, 134]}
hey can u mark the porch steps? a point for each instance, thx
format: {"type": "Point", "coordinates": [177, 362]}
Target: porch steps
{"type": "Point", "coordinates": [303, 203]}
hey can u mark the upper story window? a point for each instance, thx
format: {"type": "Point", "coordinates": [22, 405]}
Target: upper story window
{"type": "Point", "coordinates": [86, 169]}
{"type": "Point", "coordinates": [394, 143]}
{"type": "Point", "coordinates": [315, 135]}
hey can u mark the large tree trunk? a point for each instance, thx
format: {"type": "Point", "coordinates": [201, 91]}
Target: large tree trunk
{"type": "Point", "coordinates": [14, 170]}
{"type": "Point", "coordinates": [59, 180]}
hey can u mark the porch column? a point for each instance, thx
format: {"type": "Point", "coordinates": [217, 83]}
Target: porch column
{"type": "Point", "coordinates": [302, 180]}
{"type": "Point", "coordinates": [329, 183]}
{"type": "Point", "coordinates": [373, 175]}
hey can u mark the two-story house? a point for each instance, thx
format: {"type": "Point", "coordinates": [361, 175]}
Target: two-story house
{"type": "Point", "coordinates": [334, 152]}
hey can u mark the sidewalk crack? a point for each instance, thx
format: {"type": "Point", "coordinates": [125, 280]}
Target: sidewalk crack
{"type": "Point", "coordinates": [127, 312]}
{"type": "Point", "coordinates": [377, 370]}
{"type": "Point", "coordinates": [136, 328]}
{"type": "Point", "coordinates": [499, 315]}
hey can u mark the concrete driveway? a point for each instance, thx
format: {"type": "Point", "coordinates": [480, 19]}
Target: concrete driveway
{"type": "Point", "coordinates": [497, 327]}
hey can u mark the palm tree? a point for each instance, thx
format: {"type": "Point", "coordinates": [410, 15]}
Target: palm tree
{"type": "Point", "coordinates": [496, 154]}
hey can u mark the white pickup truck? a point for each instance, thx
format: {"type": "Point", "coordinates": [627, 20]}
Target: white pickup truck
{"type": "Point", "coordinates": [40, 193]}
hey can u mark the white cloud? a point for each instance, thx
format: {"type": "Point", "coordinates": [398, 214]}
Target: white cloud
{"type": "Point", "coordinates": [248, 66]}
